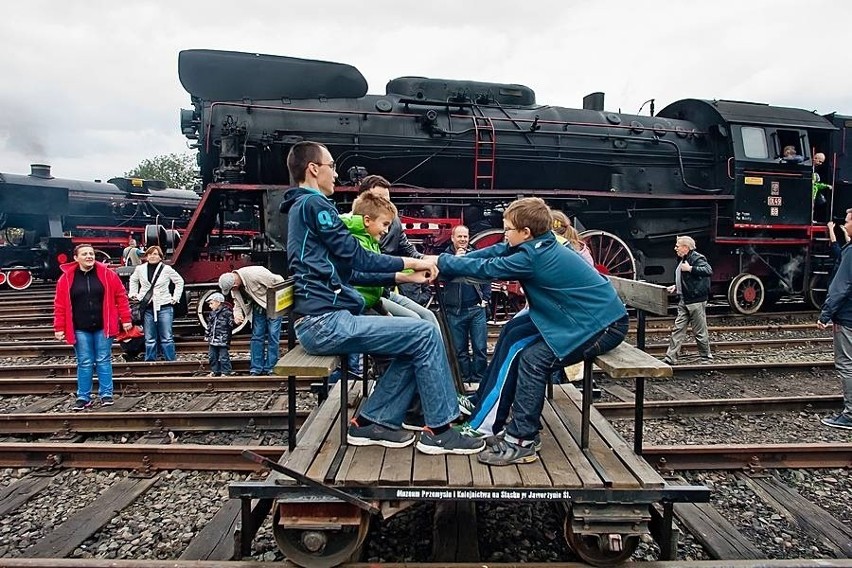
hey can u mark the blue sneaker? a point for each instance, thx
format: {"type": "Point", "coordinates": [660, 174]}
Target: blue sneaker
{"type": "Point", "coordinates": [448, 442]}
{"type": "Point", "coordinates": [377, 435]}
{"type": "Point", "coordinates": [504, 452]}
{"type": "Point", "coordinates": [839, 421]}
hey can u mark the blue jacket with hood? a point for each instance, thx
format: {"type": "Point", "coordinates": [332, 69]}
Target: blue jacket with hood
{"type": "Point", "coordinates": [569, 301]}
{"type": "Point", "coordinates": [324, 257]}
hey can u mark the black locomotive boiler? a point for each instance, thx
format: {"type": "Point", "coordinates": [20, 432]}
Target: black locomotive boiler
{"type": "Point", "coordinates": [460, 151]}
{"type": "Point", "coordinates": [42, 217]}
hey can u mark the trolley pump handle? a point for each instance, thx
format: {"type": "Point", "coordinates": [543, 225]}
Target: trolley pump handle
{"type": "Point", "coordinates": [332, 491]}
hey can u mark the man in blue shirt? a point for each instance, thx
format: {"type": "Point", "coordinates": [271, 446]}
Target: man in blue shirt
{"type": "Point", "coordinates": [325, 260]}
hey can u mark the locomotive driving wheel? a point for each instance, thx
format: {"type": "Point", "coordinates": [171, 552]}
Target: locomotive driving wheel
{"type": "Point", "coordinates": [320, 547]}
{"type": "Point", "coordinates": [818, 290]}
{"type": "Point", "coordinates": [612, 255]}
{"type": "Point", "coordinates": [600, 549]}
{"type": "Point", "coordinates": [746, 293]}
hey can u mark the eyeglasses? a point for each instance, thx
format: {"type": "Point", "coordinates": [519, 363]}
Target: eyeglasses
{"type": "Point", "coordinates": [330, 165]}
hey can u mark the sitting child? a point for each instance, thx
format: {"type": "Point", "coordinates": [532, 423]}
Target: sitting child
{"type": "Point", "coordinates": [574, 314]}
{"type": "Point", "coordinates": [220, 323]}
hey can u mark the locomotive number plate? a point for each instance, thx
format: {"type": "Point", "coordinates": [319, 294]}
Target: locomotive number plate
{"type": "Point", "coordinates": [773, 200]}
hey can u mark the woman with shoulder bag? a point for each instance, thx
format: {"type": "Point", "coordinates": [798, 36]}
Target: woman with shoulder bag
{"type": "Point", "coordinates": [149, 284]}
{"type": "Point", "coordinates": [90, 303]}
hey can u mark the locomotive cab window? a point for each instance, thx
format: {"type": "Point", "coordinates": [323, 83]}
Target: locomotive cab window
{"type": "Point", "coordinates": [754, 143]}
{"type": "Point", "coordinates": [789, 145]}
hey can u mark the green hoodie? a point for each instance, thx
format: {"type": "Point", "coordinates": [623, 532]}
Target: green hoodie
{"type": "Point", "coordinates": [355, 224]}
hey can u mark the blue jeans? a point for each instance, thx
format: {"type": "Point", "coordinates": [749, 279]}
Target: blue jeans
{"type": "Point", "coordinates": [94, 351]}
{"type": "Point", "coordinates": [159, 332]}
{"type": "Point", "coordinates": [419, 364]}
{"type": "Point", "coordinates": [468, 326]}
{"type": "Point", "coordinates": [263, 348]}
{"type": "Point", "coordinates": [220, 359]}
{"type": "Point", "coordinates": [536, 364]}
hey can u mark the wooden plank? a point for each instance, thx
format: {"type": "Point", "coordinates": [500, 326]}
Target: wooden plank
{"type": "Point", "coordinates": [429, 470]}
{"type": "Point", "coordinates": [397, 467]}
{"type": "Point", "coordinates": [216, 540]}
{"type": "Point", "coordinates": [628, 362]}
{"type": "Point", "coordinates": [324, 458]}
{"type": "Point", "coordinates": [643, 295]}
{"type": "Point", "coordinates": [720, 538]}
{"type": "Point", "coordinates": [41, 405]}
{"type": "Point", "coordinates": [506, 476]}
{"type": "Point", "coordinates": [366, 465]}
{"type": "Point", "coordinates": [672, 391]}
{"type": "Point", "coordinates": [16, 494]}
{"type": "Point", "coordinates": [619, 392]}
{"type": "Point", "coordinates": [647, 475]}
{"type": "Point", "coordinates": [587, 475]}
{"type": "Point", "coordinates": [62, 540]}
{"type": "Point", "coordinates": [300, 364]}
{"type": "Point", "coordinates": [619, 474]}
{"type": "Point", "coordinates": [809, 517]}
{"type": "Point", "coordinates": [480, 473]}
{"type": "Point", "coordinates": [552, 458]}
{"type": "Point", "coordinates": [201, 403]}
{"type": "Point", "coordinates": [345, 464]}
{"type": "Point", "coordinates": [534, 474]}
{"type": "Point", "coordinates": [454, 537]}
{"type": "Point", "coordinates": [458, 470]}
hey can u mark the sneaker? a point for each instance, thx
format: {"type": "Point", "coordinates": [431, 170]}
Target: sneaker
{"type": "Point", "coordinates": [81, 404]}
{"type": "Point", "coordinates": [708, 357]}
{"type": "Point", "coordinates": [107, 401]}
{"type": "Point", "coordinates": [466, 407]}
{"type": "Point", "coordinates": [465, 429]}
{"type": "Point", "coordinates": [448, 442]}
{"type": "Point", "coordinates": [377, 435]}
{"type": "Point", "coordinates": [414, 421]}
{"type": "Point", "coordinates": [505, 452]}
{"type": "Point", "coordinates": [668, 361]}
{"type": "Point", "coordinates": [839, 421]}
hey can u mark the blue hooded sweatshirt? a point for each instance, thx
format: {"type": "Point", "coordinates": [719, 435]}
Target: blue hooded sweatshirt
{"type": "Point", "coordinates": [569, 301]}
{"type": "Point", "coordinates": [324, 257]}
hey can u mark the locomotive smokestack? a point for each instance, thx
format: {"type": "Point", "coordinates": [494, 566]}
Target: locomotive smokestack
{"type": "Point", "coordinates": [593, 101]}
{"type": "Point", "coordinates": [40, 171]}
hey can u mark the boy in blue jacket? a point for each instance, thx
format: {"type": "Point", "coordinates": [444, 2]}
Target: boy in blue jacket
{"type": "Point", "coordinates": [325, 259]}
{"type": "Point", "coordinates": [574, 314]}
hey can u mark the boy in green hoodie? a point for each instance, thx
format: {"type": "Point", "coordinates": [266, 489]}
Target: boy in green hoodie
{"type": "Point", "coordinates": [370, 218]}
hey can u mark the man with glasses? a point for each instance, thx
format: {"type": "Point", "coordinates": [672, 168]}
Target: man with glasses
{"type": "Point", "coordinates": [325, 259]}
{"type": "Point", "coordinates": [692, 284]}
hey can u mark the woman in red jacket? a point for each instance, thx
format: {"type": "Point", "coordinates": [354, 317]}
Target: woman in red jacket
{"type": "Point", "coordinates": [90, 302]}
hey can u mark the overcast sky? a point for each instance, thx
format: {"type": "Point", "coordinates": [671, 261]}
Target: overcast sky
{"type": "Point", "coordinates": [91, 87]}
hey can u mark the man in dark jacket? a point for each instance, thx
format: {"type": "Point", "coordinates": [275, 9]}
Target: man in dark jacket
{"type": "Point", "coordinates": [466, 314]}
{"type": "Point", "coordinates": [837, 309]}
{"type": "Point", "coordinates": [692, 284]}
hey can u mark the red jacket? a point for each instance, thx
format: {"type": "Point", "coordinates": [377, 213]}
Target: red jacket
{"type": "Point", "coordinates": [116, 307]}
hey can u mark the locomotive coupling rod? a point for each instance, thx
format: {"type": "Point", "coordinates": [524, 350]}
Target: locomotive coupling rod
{"type": "Point", "coordinates": [337, 493]}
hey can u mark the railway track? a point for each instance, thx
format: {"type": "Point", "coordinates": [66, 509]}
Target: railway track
{"type": "Point", "coordinates": [129, 385]}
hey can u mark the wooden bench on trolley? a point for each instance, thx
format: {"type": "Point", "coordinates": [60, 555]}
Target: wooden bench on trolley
{"type": "Point", "coordinates": [606, 487]}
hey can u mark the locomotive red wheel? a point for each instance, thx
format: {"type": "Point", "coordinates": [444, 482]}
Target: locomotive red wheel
{"type": "Point", "coordinates": [817, 290]}
{"type": "Point", "coordinates": [202, 310]}
{"type": "Point", "coordinates": [19, 278]}
{"type": "Point", "coordinates": [505, 294]}
{"type": "Point", "coordinates": [612, 255]}
{"type": "Point", "coordinates": [2, 278]}
{"type": "Point", "coordinates": [746, 293]}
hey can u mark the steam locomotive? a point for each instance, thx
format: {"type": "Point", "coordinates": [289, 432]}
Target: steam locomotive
{"type": "Point", "coordinates": [460, 151]}
{"type": "Point", "coordinates": [42, 217]}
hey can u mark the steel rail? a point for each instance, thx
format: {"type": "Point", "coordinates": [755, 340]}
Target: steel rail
{"type": "Point", "coordinates": [749, 456]}
{"type": "Point", "coordinates": [67, 424]}
{"type": "Point", "coordinates": [127, 386]}
{"type": "Point", "coordinates": [656, 409]}
{"type": "Point", "coordinates": [144, 457]}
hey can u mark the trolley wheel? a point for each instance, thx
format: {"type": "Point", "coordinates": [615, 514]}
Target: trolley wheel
{"type": "Point", "coordinates": [102, 256]}
{"type": "Point", "coordinates": [19, 278]}
{"type": "Point", "coordinates": [818, 290]}
{"type": "Point", "coordinates": [612, 255]}
{"type": "Point", "coordinates": [321, 548]}
{"type": "Point", "coordinates": [746, 294]}
{"type": "Point", "coordinates": [202, 310]}
{"type": "Point", "coordinates": [601, 549]}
